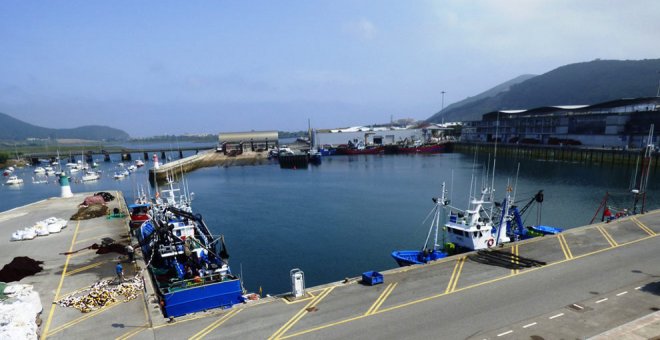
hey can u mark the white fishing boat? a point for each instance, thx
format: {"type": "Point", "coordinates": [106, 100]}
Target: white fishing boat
{"type": "Point", "coordinates": [131, 168]}
{"type": "Point", "coordinates": [119, 175]}
{"type": "Point", "coordinates": [139, 163]}
{"type": "Point", "coordinates": [90, 176]}
{"type": "Point", "coordinates": [39, 170]}
{"type": "Point", "coordinates": [14, 180]}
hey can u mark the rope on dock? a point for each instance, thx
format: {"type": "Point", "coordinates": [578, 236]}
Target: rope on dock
{"type": "Point", "coordinates": [102, 294]}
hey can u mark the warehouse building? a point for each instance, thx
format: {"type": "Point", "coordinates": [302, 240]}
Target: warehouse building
{"type": "Point", "coordinates": [617, 123]}
{"type": "Point", "coordinates": [236, 143]}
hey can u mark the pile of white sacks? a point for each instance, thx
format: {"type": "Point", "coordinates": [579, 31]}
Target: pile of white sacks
{"type": "Point", "coordinates": [41, 228]}
{"type": "Point", "coordinates": [18, 313]}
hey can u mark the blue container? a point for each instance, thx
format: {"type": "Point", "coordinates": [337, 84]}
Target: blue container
{"type": "Point", "coordinates": [372, 278]}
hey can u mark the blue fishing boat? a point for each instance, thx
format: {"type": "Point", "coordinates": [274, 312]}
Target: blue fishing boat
{"type": "Point", "coordinates": [429, 252]}
{"type": "Point", "coordinates": [188, 265]}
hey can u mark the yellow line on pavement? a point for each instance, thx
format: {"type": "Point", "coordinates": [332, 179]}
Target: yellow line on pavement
{"type": "Point", "coordinates": [84, 317]}
{"type": "Point", "coordinates": [563, 249]}
{"type": "Point", "coordinates": [642, 226]}
{"type": "Point", "coordinates": [44, 334]}
{"type": "Point", "coordinates": [568, 249]}
{"type": "Point", "coordinates": [514, 259]}
{"type": "Point", "coordinates": [379, 301]}
{"type": "Point", "coordinates": [95, 238]}
{"type": "Point", "coordinates": [458, 273]}
{"type": "Point", "coordinates": [476, 285]}
{"type": "Point", "coordinates": [133, 332]}
{"type": "Point", "coordinates": [311, 296]}
{"type": "Point", "coordinates": [146, 325]}
{"type": "Point", "coordinates": [607, 236]}
{"type": "Point", "coordinates": [90, 266]}
{"type": "Point", "coordinates": [204, 332]}
{"type": "Point", "coordinates": [455, 275]}
{"type": "Point", "coordinates": [300, 314]}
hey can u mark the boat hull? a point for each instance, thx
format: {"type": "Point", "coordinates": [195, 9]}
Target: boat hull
{"type": "Point", "coordinates": [431, 148]}
{"type": "Point", "coordinates": [224, 294]}
{"type": "Point", "coordinates": [368, 151]}
{"type": "Point", "coordinates": [411, 257]}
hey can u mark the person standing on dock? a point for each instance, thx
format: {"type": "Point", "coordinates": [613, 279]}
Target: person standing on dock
{"type": "Point", "coordinates": [120, 272]}
{"type": "Point", "coordinates": [130, 252]}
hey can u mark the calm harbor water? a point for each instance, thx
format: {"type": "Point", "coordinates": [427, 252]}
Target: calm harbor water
{"type": "Point", "coordinates": [345, 217]}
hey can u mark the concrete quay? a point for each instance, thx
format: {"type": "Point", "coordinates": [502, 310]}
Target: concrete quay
{"type": "Point", "coordinates": [203, 159]}
{"type": "Point", "coordinates": [600, 281]}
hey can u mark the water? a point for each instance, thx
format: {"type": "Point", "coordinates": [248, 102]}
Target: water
{"type": "Point", "coordinates": [346, 216]}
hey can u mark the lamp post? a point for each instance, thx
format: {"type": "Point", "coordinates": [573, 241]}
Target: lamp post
{"type": "Point", "coordinates": [657, 94]}
{"type": "Point", "coordinates": [443, 106]}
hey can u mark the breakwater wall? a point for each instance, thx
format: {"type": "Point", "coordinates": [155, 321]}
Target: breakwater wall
{"type": "Point", "coordinates": [584, 155]}
{"type": "Point", "coordinates": [202, 160]}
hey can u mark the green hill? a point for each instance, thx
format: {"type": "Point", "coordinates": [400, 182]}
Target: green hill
{"type": "Point", "coordinates": [14, 129]}
{"type": "Point", "coordinates": [574, 84]}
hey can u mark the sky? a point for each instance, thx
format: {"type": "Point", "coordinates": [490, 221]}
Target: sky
{"type": "Point", "coordinates": [175, 67]}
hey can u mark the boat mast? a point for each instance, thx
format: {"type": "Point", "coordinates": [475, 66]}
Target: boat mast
{"type": "Point", "coordinates": [639, 192]}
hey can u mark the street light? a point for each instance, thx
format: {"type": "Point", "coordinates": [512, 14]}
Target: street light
{"type": "Point", "coordinates": [443, 106]}
{"type": "Point", "coordinates": [657, 94]}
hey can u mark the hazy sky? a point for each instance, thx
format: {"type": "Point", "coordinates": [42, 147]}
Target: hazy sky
{"type": "Point", "coordinates": [172, 67]}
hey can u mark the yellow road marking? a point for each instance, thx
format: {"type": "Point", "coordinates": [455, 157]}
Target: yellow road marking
{"type": "Point", "coordinates": [379, 301]}
{"type": "Point", "coordinates": [300, 314]}
{"type": "Point", "coordinates": [406, 304]}
{"type": "Point", "coordinates": [146, 326]}
{"type": "Point", "coordinates": [83, 318]}
{"type": "Point", "coordinates": [565, 247]}
{"type": "Point", "coordinates": [311, 296]}
{"type": "Point", "coordinates": [44, 334]}
{"type": "Point", "coordinates": [514, 260]}
{"type": "Point", "coordinates": [204, 332]}
{"type": "Point", "coordinates": [133, 332]}
{"type": "Point", "coordinates": [93, 265]}
{"type": "Point", "coordinates": [96, 238]}
{"type": "Point", "coordinates": [178, 322]}
{"type": "Point", "coordinates": [455, 275]}
{"type": "Point", "coordinates": [83, 252]}
{"type": "Point", "coordinates": [607, 236]}
{"type": "Point", "coordinates": [642, 226]}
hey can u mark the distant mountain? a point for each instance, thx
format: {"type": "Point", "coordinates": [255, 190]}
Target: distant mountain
{"type": "Point", "coordinates": [574, 84]}
{"type": "Point", "coordinates": [14, 129]}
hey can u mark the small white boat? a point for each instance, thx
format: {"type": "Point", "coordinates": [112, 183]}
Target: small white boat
{"type": "Point", "coordinates": [131, 168]}
{"type": "Point", "coordinates": [14, 180]}
{"type": "Point", "coordinates": [71, 165]}
{"type": "Point", "coordinates": [39, 170]}
{"type": "Point", "coordinates": [50, 173]}
{"type": "Point", "coordinates": [48, 168]}
{"type": "Point", "coordinates": [119, 175]}
{"type": "Point", "coordinates": [74, 170]}
{"type": "Point", "coordinates": [39, 181]}
{"type": "Point", "coordinates": [95, 165]}
{"type": "Point", "coordinates": [121, 165]}
{"type": "Point", "coordinates": [90, 176]}
{"type": "Point", "coordinates": [139, 163]}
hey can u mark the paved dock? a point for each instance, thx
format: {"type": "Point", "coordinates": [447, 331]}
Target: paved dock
{"type": "Point", "coordinates": [600, 281]}
{"type": "Point", "coordinates": [207, 158]}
